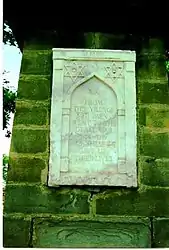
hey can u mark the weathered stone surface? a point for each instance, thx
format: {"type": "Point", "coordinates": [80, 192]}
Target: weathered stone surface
{"type": "Point", "coordinates": [151, 60]}
{"type": "Point", "coordinates": [38, 199]}
{"type": "Point", "coordinates": [29, 141]}
{"type": "Point", "coordinates": [32, 115]}
{"type": "Point", "coordinates": [34, 87]}
{"type": "Point", "coordinates": [154, 172]}
{"type": "Point", "coordinates": [93, 118]}
{"type": "Point", "coordinates": [143, 202]}
{"type": "Point", "coordinates": [155, 115]}
{"type": "Point", "coordinates": [155, 143]}
{"type": "Point", "coordinates": [25, 169]}
{"type": "Point", "coordinates": [161, 233]}
{"type": "Point", "coordinates": [36, 62]}
{"type": "Point", "coordinates": [152, 65]}
{"type": "Point", "coordinates": [16, 232]}
{"type": "Point", "coordinates": [154, 92]}
{"type": "Point", "coordinates": [117, 233]}
{"type": "Point", "coordinates": [97, 40]}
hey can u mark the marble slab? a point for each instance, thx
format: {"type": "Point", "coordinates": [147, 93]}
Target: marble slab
{"type": "Point", "coordinates": [93, 118]}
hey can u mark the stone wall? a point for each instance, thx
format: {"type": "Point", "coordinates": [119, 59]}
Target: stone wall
{"type": "Point", "coordinates": [38, 216]}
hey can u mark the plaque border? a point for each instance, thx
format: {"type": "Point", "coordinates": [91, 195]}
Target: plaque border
{"type": "Point", "coordinates": [58, 166]}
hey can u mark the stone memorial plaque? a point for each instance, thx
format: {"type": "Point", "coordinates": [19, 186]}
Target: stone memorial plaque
{"type": "Point", "coordinates": [93, 118]}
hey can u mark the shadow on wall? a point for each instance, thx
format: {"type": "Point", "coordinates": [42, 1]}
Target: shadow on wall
{"type": "Point", "coordinates": [167, 63]}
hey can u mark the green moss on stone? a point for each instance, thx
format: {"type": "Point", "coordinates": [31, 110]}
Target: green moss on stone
{"type": "Point", "coordinates": [142, 116]}
{"type": "Point", "coordinates": [28, 116]}
{"type": "Point", "coordinates": [156, 45]}
{"type": "Point", "coordinates": [147, 202]}
{"type": "Point", "coordinates": [52, 233]}
{"type": "Point", "coordinates": [88, 217]}
{"type": "Point", "coordinates": [151, 66]}
{"type": "Point", "coordinates": [154, 93]}
{"type": "Point", "coordinates": [97, 40]}
{"type": "Point", "coordinates": [25, 169]}
{"type": "Point", "coordinates": [36, 62]}
{"type": "Point", "coordinates": [161, 233]}
{"type": "Point", "coordinates": [155, 116]}
{"type": "Point", "coordinates": [36, 199]}
{"type": "Point", "coordinates": [157, 67]}
{"type": "Point", "coordinates": [34, 87]}
{"type": "Point", "coordinates": [37, 45]}
{"type": "Point", "coordinates": [155, 144]}
{"type": "Point", "coordinates": [29, 141]}
{"type": "Point", "coordinates": [16, 232]}
{"type": "Point", "coordinates": [151, 61]}
{"type": "Point", "coordinates": [154, 172]}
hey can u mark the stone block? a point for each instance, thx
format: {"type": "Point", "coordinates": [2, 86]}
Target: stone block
{"type": "Point", "coordinates": [36, 62]}
{"type": "Point", "coordinates": [155, 144]}
{"type": "Point", "coordinates": [161, 233]}
{"type": "Point", "coordinates": [154, 172]}
{"type": "Point", "coordinates": [16, 232]}
{"type": "Point", "coordinates": [142, 202]}
{"type": "Point", "coordinates": [29, 141]}
{"type": "Point", "coordinates": [52, 233]}
{"type": "Point", "coordinates": [31, 116]}
{"type": "Point", "coordinates": [25, 169]}
{"type": "Point", "coordinates": [155, 115]}
{"type": "Point", "coordinates": [39, 199]}
{"type": "Point", "coordinates": [34, 87]}
{"type": "Point", "coordinates": [153, 93]}
{"type": "Point", "coordinates": [151, 66]}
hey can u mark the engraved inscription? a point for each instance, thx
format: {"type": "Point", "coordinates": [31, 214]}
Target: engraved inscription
{"type": "Point", "coordinates": [93, 128]}
{"type": "Point", "coordinates": [91, 53]}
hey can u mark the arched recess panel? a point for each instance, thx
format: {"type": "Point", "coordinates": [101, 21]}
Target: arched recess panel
{"type": "Point", "coordinates": [93, 128]}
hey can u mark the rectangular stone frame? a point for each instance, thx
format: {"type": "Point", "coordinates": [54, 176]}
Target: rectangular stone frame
{"type": "Point", "coordinates": [58, 163]}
